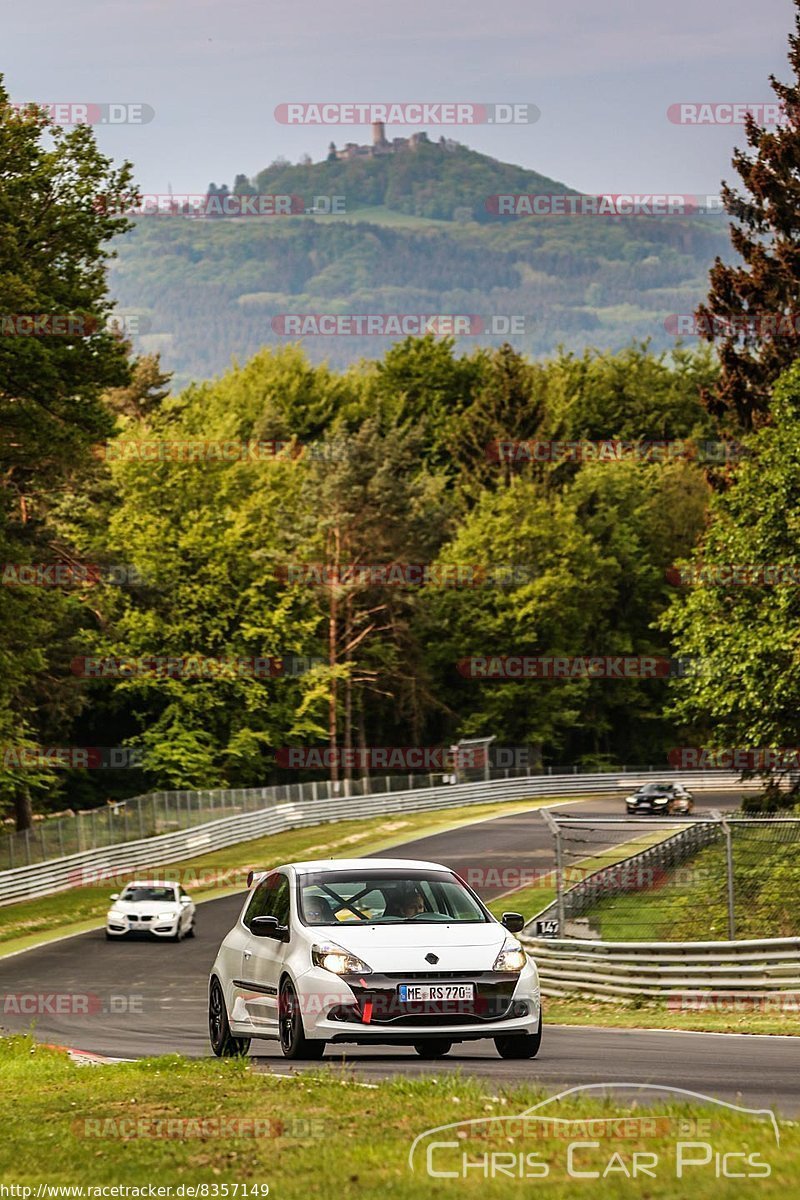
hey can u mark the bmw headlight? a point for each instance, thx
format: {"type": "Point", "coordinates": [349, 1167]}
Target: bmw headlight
{"type": "Point", "coordinates": [510, 958]}
{"type": "Point", "coordinates": [337, 960]}
{"type": "Point", "coordinates": [166, 916]}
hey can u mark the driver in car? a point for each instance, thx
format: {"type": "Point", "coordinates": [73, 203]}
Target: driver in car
{"type": "Point", "coordinates": [407, 902]}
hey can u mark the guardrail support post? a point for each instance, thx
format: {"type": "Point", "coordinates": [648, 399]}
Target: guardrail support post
{"type": "Point", "coordinates": [729, 872]}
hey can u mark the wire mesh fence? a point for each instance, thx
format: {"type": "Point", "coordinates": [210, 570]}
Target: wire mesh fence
{"type": "Point", "coordinates": [683, 879]}
{"type": "Point", "coordinates": [168, 812]}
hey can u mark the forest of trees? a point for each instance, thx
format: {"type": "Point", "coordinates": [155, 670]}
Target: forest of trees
{"type": "Point", "coordinates": [229, 521]}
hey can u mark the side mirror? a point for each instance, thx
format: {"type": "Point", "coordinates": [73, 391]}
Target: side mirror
{"type": "Point", "coordinates": [185, 900]}
{"type": "Point", "coordinates": [114, 896]}
{"type": "Point", "coordinates": [269, 927]}
{"type": "Point", "coordinates": [514, 922]}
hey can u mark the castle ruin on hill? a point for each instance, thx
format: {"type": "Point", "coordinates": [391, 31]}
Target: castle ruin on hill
{"type": "Point", "coordinates": [381, 145]}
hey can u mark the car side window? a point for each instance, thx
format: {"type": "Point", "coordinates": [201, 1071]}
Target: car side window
{"type": "Point", "coordinates": [270, 899]}
{"type": "Point", "coordinates": [280, 901]}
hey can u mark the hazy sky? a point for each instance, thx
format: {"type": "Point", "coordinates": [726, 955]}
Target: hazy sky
{"type": "Point", "coordinates": [602, 72]}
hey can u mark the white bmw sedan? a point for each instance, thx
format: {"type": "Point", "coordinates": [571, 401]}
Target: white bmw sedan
{"type": "Point", "coordinates": [161, 909]}
{"type": "Point", "coordinates": [373, 951]}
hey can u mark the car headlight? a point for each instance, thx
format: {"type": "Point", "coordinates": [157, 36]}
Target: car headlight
{"type": "Point", "coordinates": [661, 800]}
{"type": "Point", "coordinates": [170, 916]}
{"type": "Point", "coordinates": [341, 962]}
{"type": "Point", "coordinates": [116, 912]}
{"type": "Point", "coordinates": [510, 958]}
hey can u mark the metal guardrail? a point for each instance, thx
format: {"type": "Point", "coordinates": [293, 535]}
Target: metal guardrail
{"type": "Point", "coordinates": [157, 813]}
{"type": "Point", "coordinates": [275, 816]}
{"type": "Point", "coordinates": [689, 975]}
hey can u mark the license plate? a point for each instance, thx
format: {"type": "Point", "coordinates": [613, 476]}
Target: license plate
{"type": "Point", "coordinates": [413, 992]}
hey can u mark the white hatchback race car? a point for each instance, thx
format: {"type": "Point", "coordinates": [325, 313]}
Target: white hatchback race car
{"type": "Point", "coordinates": [162, 910]}
{"type": "Point", "coordinates": [375, 952]}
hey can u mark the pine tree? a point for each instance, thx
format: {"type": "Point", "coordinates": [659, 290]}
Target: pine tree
{"type": "Point", "coordinates": [753, 308]}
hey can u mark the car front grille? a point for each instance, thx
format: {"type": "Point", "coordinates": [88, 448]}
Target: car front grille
{"type": "Point", "coordinates": [378, 1002]}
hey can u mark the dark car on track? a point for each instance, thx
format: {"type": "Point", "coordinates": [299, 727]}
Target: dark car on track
{"type": "Point", "coordinates": [669, 798]}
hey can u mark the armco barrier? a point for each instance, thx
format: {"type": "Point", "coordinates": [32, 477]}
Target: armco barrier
{"type": "Point", "coordinates": [687, 974]}
{"type": "Point", "coordinates": [60, 874]}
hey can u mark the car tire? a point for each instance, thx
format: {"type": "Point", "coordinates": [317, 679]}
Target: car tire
{"type": "Point", "coordinates": [223, 1042]}
{"type": "Point", "coordinates": [436, 1048]}
{"type": "Point", "coordinates": [177, 935]}
{"type": "Point", "coordinates": [190, 932]}
{"type": "Point", "coordinates": [520, 1045]}
{"type": "Point", "coordinates": [294, 1042]}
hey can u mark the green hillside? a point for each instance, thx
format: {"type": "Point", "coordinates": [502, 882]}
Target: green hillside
{"type": "Point", "coordinates": [434, 180]}
{"type": "Point", "coordinates": [415, 238]}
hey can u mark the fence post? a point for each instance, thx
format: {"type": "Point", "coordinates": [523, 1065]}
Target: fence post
{"type": "Point", "coordinates": [729, 872]}
{"type": "Point", "coordinates": [556, 832]}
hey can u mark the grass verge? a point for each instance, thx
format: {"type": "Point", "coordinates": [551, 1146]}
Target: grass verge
{"type": "Point", "coordinates": [323, 1135]}
{"type": "Point", "coordinates": [768, 1018]}
{"type": "Point", "coordinates": [532, 898]}
{"type": "Point", "coordinates": [690, 903]}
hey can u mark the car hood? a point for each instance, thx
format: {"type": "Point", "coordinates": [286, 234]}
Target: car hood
{"type": "Point", "coordinates": [459, 947]}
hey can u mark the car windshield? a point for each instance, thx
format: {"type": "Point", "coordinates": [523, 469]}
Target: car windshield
{"type": "Point", "coordinates": [386, 898]}
{"type": "Point", "coordinates": [159, 894]}
{"type": "Point", "coordinates": [651, 789]}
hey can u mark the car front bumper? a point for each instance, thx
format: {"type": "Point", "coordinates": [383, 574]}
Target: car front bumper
{"type": "Point", "coordinates": [123, 927]}
{"type": "Point", "coordinates": [368, 1010]}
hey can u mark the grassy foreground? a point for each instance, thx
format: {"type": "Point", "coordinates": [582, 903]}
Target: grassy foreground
{"type": "Point", "coordinates": [172, 1122]}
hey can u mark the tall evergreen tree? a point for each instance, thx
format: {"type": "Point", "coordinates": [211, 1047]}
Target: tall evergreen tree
{"type": "Point", "coordinates": [747, 299]}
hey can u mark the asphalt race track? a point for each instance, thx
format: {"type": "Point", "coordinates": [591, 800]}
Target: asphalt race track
{"type": "Point", "coordinates": [147, 998]}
